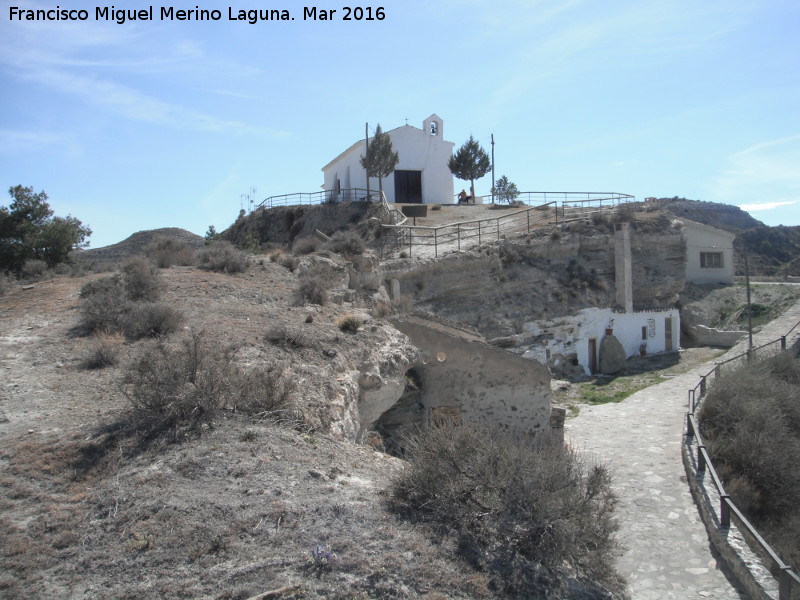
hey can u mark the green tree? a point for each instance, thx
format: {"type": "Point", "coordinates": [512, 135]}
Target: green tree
{"type": "Point", "coordinates": [28, 230]}
{"type": "Point", "coordinates": [381, 159]}
{"type": "Point", "coordinates": [470, 162]}
{"type": "Point", "coordinates": [505, 190]}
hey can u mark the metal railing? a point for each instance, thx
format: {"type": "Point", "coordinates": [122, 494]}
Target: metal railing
{"type": "Point", "coordinates": [321, 197]}
{"type": "Point", "coordinates": [465, 233]}
{"type": "Point", "coordinates": [560, 207]}
{"type": "Point", "coordinates": [788, 579]}
{"type": "Point", "coordinates": [537, 198]}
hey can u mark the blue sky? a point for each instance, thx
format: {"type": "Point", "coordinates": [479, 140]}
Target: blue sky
{"type": "Point", "coordinates": [167, 124]}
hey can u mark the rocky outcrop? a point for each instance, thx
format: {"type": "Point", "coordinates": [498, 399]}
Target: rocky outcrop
{"type": "Point", "coordinates": [497, 289]}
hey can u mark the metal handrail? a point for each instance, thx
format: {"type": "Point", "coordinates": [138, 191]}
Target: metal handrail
{"type": "Point", "coordinates": [534, 198]}
{"type": "Point", "coordinates": [787, 577]}
{"type": "Point", "coordinates": [584, 203]}
{"type": "Point", "coordinates": [321, 197]}
{"type": "Point", "coordinates": [462, 231]}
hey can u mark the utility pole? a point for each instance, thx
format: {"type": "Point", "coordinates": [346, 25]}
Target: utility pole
{"type": "Point", "coordinates": [366, 142]}
{"type": "Point", "coordinates": [493, 179]}
{"type": "Point", "coordinates": [749, 312]}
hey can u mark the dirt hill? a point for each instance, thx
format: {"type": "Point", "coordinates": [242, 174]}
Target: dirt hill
{"type": "Point", "coordinates": [137, 244]}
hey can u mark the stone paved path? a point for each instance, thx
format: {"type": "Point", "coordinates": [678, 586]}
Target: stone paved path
{"type": "Point", "coordinates": [668, 555]}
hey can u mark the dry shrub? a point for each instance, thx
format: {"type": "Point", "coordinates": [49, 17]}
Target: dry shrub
{"type": "Point", "coordinates": [305, 245]}
{"type": "Point", "coordinates": [350, 324]}
{"type": "Point", "coordinates": [345, 242]}
{"type": "Point", "coordinates": [222, 257]}
{"type": "Point", "coordinates": [289, 262]}
{"type": "Point", "coordinates": [33, 269]}
{"type": "Point", "coordinates": [625, 213]}
{"type": "Point", "coordinates": [165, 252]}
{"type": "Point", "coordinates": [172, 387]}
{"type": "Point", "coordinates": [313, 286]}
{"type": "Point", "coordinates": [149, 319]}
{"type": "Point", "coordinates": [286, 336]}
{"type": "Point", "coordinates": [140, 280]}
{"type": "Point", "coordinates": [521, 511]}
{"type": "Point", "coordinates": [127, 303]}
{"type": "Point", "coordinates": [104, 352]}
{"type": "Point", "coordinates": [750, 422]}
{"type": "Point", "coordinates": [382, 309]}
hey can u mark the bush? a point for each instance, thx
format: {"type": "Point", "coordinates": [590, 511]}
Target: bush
{"type": "Point", "coordinates": [350, 324]}
{"type": "Point", "coordinates": [104, 352]}
{"type": "Point", "coordinates": [313, 286]}
{"type": "Point", "coordinates": [149, 319]}
{"type": "Point", "coordinates": [625, 213]}
{"type": "Point", "coordinates": [345, 242]}
{"type": "Point", "coordinates": [286, 337]}
{"type": "Point", "coordinates": [125, 303]}
{"type": "Point", "coordinates": [104, 303]}
{"type": "Point", "coordinates": [305, 245]}
{"type": "Point", "coordinates": [140, 280]}
{"type": "Point", "coordinates": [222, 257]}
{"type": "Point", "coordinates": [33, 269]}
{"type": "Point", "coordinates": [165, 252]}
{"type": "Point", "coordinates": [186, 385]}
{"type": "Point", "coordinates": [750, 422]}
{"type": "Point", "coordinates": [521, 511]}
{"type": "Point", "coordinates": [289, 262]}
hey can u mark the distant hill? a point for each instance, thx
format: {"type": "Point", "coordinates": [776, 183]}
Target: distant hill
{"type": "Point", "coordinates": [138, 243]}
{"type": "Point", "coordinates": [773, 251]}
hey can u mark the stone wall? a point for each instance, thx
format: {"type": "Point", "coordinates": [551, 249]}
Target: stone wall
{"type": "Point", "coordinates": [472, 381]}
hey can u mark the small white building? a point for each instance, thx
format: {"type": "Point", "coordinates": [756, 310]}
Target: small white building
{"type": "Point", "coordinates": [578, 337]}
{"type": "Point", "coordinates": [709, 253]}
{"type": "Point", "coordinates": [420, 177]}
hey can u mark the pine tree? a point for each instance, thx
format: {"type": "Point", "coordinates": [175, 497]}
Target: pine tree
{"type": "Point", "coordinates": [470, 162]}
{"type": "Point", "coordinates": [381, 159]}
{"type": "Point", "coordinates": [505, 190]}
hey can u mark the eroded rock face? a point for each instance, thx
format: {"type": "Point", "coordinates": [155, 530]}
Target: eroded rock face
{"type": "Point", "coordinates": [499, 288]}
{"type": "Point", "coordinates": [381, 381]}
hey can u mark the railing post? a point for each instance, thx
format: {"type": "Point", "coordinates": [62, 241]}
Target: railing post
{"type": "Point", "coordinates": [701, 460]}
{"type": "Point", "coordinates": [717, 372]}
{"type": "Point", "coordinates": [724, 511]}
{"type": "Point", "coordinates": [689, 428]}
{"type": "Point", "coordinates": [784, 583]}
{"type": "Point", "coordinates": [498, 229]}
{"type": "Point", "coordinates": [691, 401]}
{"type": "Point", "coordinates": [458, 231]}
{"type": "Point", "coordinates": [783, 342]}
{"type": "Point", "coordinates": [702, 386]}
{"type": "Point", "coordinates": [528, 214]}
{"type": "Point", "coordinates": [479, 233]}
{"type": "Point", "coordinates": [436, 242]}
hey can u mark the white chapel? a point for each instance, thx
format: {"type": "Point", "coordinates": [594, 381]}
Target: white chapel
{"type": "Point", "coordinates": [421, 175]}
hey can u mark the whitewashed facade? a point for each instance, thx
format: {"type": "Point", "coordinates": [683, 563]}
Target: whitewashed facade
{"type": "Point", "coordinates": [709, 253]}
{"type": "Point", "coordinates": [579, 336]}
{"type": "Point", "coordinates": [421, 175]}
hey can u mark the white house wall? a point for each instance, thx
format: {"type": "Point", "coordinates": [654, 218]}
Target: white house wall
{"type": "Point", "coordinates": [567, 336]}
{"type": "Point", "coordinates": [702, 238]}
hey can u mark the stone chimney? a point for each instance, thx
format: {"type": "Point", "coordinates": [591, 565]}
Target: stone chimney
{"type": "Point", "coordinates": [622, 266]}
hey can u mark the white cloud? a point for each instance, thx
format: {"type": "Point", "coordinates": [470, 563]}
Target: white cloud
{"type": "Point", "coordinates": [766, 205]}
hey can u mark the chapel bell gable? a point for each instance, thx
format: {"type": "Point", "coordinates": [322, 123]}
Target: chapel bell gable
{"type": "Point", "coordinates": [433, 127]}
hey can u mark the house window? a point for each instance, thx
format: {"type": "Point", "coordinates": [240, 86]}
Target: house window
{"type": "Point", "coordinates": [711, 260]}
